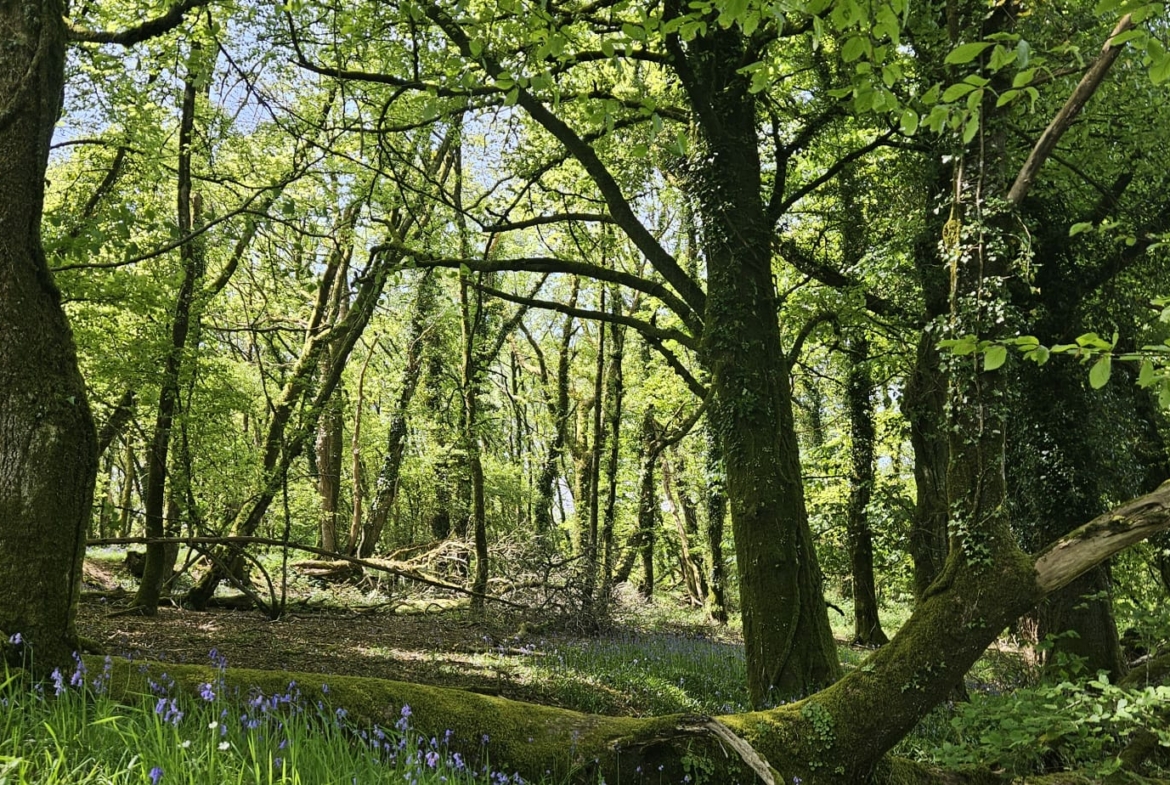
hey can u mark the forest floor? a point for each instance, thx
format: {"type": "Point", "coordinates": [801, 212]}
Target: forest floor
{"type": "Point", "coordinates": [337, 631]}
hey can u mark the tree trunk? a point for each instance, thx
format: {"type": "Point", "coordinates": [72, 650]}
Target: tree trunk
{"type": "Point", "coordinates": [48, 456]}
{"type": "Point", "coordinates": [716, 507]}
{"type": "Point", "coordinates": [614, 393]}
{"type": "Point", "coordinates": [191, 257]}
{"type": "Point", "coordinates": [788, 641]}
{"type": "Point", "coordinates": [647, 502]}
{"type": "Point", "coordinates": [923, 407]}
{"type": "Point", "coordinates": [685, 523]}
{"type": "Point", "coordinates": [867, 626]}
{"type": "Point", "coordinates": [559, 409]}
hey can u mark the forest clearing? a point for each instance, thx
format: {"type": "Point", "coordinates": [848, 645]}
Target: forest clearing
{"type": "Point", "coordinates": [578, 391]}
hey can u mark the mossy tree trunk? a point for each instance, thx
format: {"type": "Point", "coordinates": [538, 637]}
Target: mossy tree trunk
{"type": "Point", "coordinates": [788, 641]}
{"type": "Point", "coordinates": [867, 627]}
{"type": "Point", "coordinates": [48, 456]}
{"type": "Point", "coordinates": [558, 407]}
{"type": "Point", "coordinates": [386, 485]}
{"type": "Point", "coordinates": [612, 411]}
{"type": "Point", "coordinates": [716, 510]}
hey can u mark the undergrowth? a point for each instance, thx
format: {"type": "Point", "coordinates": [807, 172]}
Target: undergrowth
{"type": "Point", "coordinates": [67, 731]}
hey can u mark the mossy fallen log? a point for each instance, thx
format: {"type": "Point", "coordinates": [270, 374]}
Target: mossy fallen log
{"type": "Point", "coordinates": [540, 741]}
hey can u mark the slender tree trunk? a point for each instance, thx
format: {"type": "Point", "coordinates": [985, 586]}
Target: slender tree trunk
{"type": "Point", "coordinates": [331, 434]}
{"type": "Point", "coordinates": [923, 407]}
{"type": "Point", "coordinates": [716, 508]}
{"type": "Point", "coordinates": [685, 524]}
{"type": "Point", "coordinates": [48, 456]}
{"type": "Point", "coordinates": [614, 393]}
{"type": "Point", "coordinates": [647, 501]}
{"type": "Point", "coordinates": [559, 409]}
{"type": "Point", "coordinates": [473, 317]}
{"type": "Point", "coordinates": [353, 539]}
{"type": "Point", "coordinates": [191, 256]}
{"type": "Point", "coordinates": [126, 498]}
{"type": "Point", "coordinates": [591, 538]}
{"type": "Point", "coordinates": [867, 627]}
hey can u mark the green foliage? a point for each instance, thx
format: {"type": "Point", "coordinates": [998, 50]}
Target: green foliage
{"type": "Point", "coordinates": [1051, 726]}
{"type": "Point", "coordinates": [67, 731]}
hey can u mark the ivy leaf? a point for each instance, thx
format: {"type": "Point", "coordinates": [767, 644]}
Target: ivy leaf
{"type": "Point", "coordinates": [1099, 373]}
{"type": "Point", "coordinates": [966, 53]}
{"type": "Point", "coordinates": [995, 357]}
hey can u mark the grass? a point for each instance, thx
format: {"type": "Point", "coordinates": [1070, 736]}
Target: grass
{"type": "Point", "coordinates": [66, 731]}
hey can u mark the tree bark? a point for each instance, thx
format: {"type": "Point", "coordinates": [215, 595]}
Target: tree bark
{"type": "Point", "coordinates": [559, 409]}
{"type": "Point", "coordinates": [155, 571]}
{"type": "Point", "coordinates": [48, 456]}
{"type": "Point", "coordinates": [386, 486]}
{"type": "Point", "coordinates": [789, 644]}
{"type": "Point", "coordinates": [867, 626]}
{"type": "Point", "coordinates": [716, 509]}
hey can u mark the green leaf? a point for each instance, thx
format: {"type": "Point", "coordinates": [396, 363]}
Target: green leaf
{"type": "Point", "coordinates": [853, 49]}
{"type": "Point", "coordinates": [966, 53]}
{"type": "Point", "coordinates": [1099, 373]}
{"type": "Point", "coordinates": [1160, 69]}
{"type": "Point", "coordinates": [971, 129]}
{"type": "Point", "coordinates": [957, 91]}
{"type": "Point", "coordinates": [1146, 374]}
{"type": "Point", "coordinates": [1007, 97]}
{"type": "Point", "coordinates": [1039, 355]}
{"type": "Point", "coordinates": [1164, 395]}
{"type": "Point", "coordinates": [909, 122]}
{"type": "Point", "coordinates": [995, 357]}
{"type": "Point", "coordinates": [1077, 228]}
{"type": "Point", "coordinates": [1024, 78]}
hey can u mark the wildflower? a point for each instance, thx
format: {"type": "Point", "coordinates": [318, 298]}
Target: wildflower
{"type": "Point", "coordinates": [206, 692]}
{"type": "Point", "coordinates": [185, 743]}
{"type": "Point", "coordinates": [155, 775]}
{"type": "Point", "coordinates": [78, 677]}
{"type": "Point", "coordinates": [218, 660]}
{"type": "Point", "coordinates": [212, 725]}
{"type": "Point", "coordinates": [432, 759]}
{"type": "Point", "coordinates": [457, 762]}
{"type": "Point", "coordinates": [16, 639]}
{"type": "Point", "coordinates": [224, 745]}
{"type": "Point", "coordinates": [278, 763]}
{"type": "Point", "coordinates": [58, 681]}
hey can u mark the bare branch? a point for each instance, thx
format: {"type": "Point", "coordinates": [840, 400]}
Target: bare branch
{"type": "Point", "coordinates": [1073, 554]}
{"type": "Point", "coordinates": [545, 264]}
{"type": "Point", "coordinates": [643, 327]}
{"type": "Point", "coordinates": [1068, 113]}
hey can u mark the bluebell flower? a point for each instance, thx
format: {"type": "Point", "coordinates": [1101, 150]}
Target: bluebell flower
{"type": "Point", "coordinates": [58, 681]}
{"type": "Point", "coordinates": [155, 775]}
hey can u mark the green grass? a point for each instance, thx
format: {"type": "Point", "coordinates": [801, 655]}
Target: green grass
{"type": "Point", "coordinates": [66, 731]}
